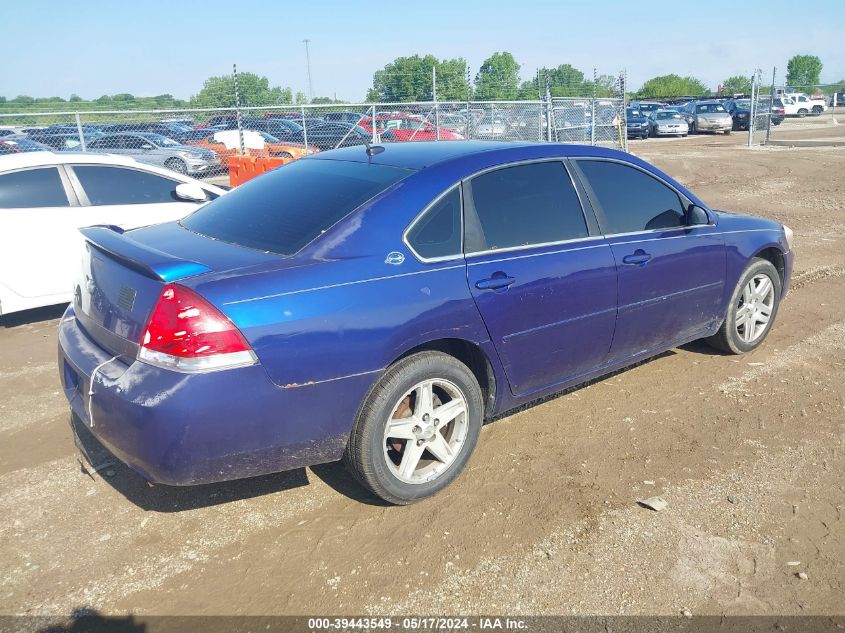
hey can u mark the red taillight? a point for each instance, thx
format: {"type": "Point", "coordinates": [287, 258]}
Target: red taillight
{"type": "Point", "coordinates": [185, 332]}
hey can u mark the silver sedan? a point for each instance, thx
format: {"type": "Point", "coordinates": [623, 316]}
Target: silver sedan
{"type": "Point", "coordinates": [708, 116]}
{"type": "Point", "coordinates": [668, 123]}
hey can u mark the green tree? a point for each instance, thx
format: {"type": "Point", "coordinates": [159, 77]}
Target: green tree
{"type": "Point", "coordinates": [498, 78]}
{"type": "Point", "coordinates": [736, 85]}
{"type": "Point", "coordinates": [23, 100]}
{"type": "Point", "coordinates": [672, 86]}
{"type": "Point", "coordinates": [528, 91]}
{"type": "Point", "coordinates": [409, 79]}
{"type": "Point", "coordinates": [219, 92]}
{"type": "Point", "coordinates": [567, 81]}
{"type": "Point", "coordinates": [325, 100]}
{"type": "Point", "coordinates": [75, 98]}
{"type": "Point", "coordinates": [802, 71]}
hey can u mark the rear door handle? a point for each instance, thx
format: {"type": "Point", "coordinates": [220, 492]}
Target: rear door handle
{"type": "Point", "coordinates": [494, 283]}
{"type": "Point", "coordinates": [637, 258]}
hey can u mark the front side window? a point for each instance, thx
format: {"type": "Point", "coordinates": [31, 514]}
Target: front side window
{"type": "Point", "coordinates": [438, 232]}
{"type": "Point", "coordinates": [631, 199]}
{"type": "Point", "coordinates": [117, 185]}
{"type": "Point", "coordinates": [524, 205]}
{"type": "Point", "coordinates": [287, 208]}
{"type": "Point", "coordinates": [32, 188]}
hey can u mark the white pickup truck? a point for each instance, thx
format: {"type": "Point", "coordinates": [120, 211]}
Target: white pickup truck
{"type": "Point", "coordinates": [801, 105]}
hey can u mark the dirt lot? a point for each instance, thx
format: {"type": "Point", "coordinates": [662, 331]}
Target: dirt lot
{"type": "Point", "coordinates": [748, 452]}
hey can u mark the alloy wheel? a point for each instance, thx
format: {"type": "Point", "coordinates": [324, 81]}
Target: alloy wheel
{"type": "Point", "coordinates": [426, 431]}
{"type": "Point", "coordinates": [754, 308]}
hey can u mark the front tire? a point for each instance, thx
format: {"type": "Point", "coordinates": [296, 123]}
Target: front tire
{"type": "Point", "coordinates": [176, 164]}
{"type": "Point", "coordinates": [802, 113]}
{"type": "Point", "coordinates": [417, 429]}
{"type": "Point", "coordinates": [752, 309]}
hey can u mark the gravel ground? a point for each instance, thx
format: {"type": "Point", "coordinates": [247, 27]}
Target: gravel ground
{"type": "Point", "coordinates": [747, 451]}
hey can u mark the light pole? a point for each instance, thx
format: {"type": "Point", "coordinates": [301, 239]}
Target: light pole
{"type": "Point", "coordinates": [308, 68]}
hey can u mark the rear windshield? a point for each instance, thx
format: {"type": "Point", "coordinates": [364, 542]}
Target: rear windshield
{"type": "Point", "coordinates": [285, 209]}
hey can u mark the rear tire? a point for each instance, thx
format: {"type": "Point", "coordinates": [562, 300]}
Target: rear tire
{"type": "Point", "coordinates": [802, 113]}
{"type": "Point", "coordinates": [751, 310]}
{"type": "Point", "coordinates": [176, 164]}
{"type": "Point", "coordinates": [399, 448]}
{"type": "Point", "coordinates": [727, 132]}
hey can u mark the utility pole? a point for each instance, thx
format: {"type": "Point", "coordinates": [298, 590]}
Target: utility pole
{"type": "Point", "coordinates": [308, 69]}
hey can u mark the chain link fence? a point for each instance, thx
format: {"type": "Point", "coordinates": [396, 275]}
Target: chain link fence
{"type": "Point", "coordinates": [761, 109]}
{"type": "Point", "coordinates": [200, 141]}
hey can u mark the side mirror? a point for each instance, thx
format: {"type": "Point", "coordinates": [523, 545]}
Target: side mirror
{"type": "Point", "coordinates": [190, 192]}
{"type": "Point", "coordinates": [698, 216]}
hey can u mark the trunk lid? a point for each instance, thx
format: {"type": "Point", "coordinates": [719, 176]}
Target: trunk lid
{"type": "Point", "coordinates": [123, 273]}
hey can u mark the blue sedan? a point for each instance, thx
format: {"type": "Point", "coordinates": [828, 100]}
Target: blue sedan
{"type": "Point", "coordinates": [378, 304]}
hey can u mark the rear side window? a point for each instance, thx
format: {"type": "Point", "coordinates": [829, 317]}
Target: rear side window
{"type": "Point", "coordinates": [631, 199]}
{"type": "Point", "coordinates": [31, 188]}
{"type": "Point", "coordinates": [116, 185]}
{"type": "Point", "coordinates": [283, 210]}
{"type": "Point", "coordinates": [438, 232]}
{"type": "Point", "coordinates": [524, 205]}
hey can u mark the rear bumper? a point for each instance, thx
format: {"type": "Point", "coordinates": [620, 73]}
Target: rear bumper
{"type": "Point", "coordinates": [184, 429]}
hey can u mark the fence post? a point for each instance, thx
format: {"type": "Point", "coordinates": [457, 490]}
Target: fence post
{"type": "Point", "coordinates": [549, 113]}
{"type": "Point", "coordinates": [304, 128]}
{"type": "Point", "coordinates": [79, 131]}
{"type": "Point", "coordinates": [434, 98]}
{"type": "Point", "coordinates": [772, 104]}
{"type": "Point", "coordinates": [238, 109]}
{"type": "Point", "coordinates": [373, 121]}
{"type": "Point", "coordinates": [593, 112]}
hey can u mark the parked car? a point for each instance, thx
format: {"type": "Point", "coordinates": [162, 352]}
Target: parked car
{"type": "Point", "coordinates": [46, 197]}
{"type": "Point", "coordinates": [18, 145]}
{"type": "Point", "coordinates": [155, 149]}
{"type": "Point", "coordinates": [7, 133]}
{"type": "Point", "coordinates": [350, 306]}
{"type": "Point", "coordinates": [707, 116]}
{"type": "Point", "coordinates": [667, 123]}
{"type": "Point", "coordinates": [227, 143]}
{"type": "Point", "coordinates": [407, 128]}
{"type": "Point", "coordinates": [778, 112]}
{"type": "Point", "coordinates": [837, 99]}
{"type": "Point", "coordinates": [647, 107]}
{"type": "Point", "coordinates": [347, 117]}
{"type": "Point", "coordinates": [87, 130]}
{"type": "Point", "coordinates": [637, 125]}
{"type": "Point", "coordinates": [740, 111]}
{"type": "Point", "coordinates": [59, 142]}
{"type": "Point", "coordinates": [336, 134]}
{"type": "Point", "coordinates": [286, 130]}
{"type": "Point", "coordinates": [800, 105]}
{"type": "Point", "coordinates": [168, 130]}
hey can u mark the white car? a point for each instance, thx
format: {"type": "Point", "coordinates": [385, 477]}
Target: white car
{"type": "Point", "coordinates": [801, 105]}
{"type": "Point", "coordinates": [46, 197]}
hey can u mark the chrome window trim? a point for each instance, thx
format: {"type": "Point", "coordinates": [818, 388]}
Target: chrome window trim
{"type": "Point", "coordinates": [523, 247]}
{"type": "Point", "coordinates": [540, 254]}
{"type": "Point", "coordinates": [421, 214]}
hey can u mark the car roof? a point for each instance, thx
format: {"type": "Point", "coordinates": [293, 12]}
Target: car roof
{"type": "Point", "coordinates": [419, 155]}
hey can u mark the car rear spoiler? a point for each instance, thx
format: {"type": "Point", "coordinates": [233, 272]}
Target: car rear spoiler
{"type": "Point", "coordinates": [144, 259]}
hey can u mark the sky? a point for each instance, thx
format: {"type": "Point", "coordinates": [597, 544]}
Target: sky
{"type": "Point", "coordinates": [150, 47]}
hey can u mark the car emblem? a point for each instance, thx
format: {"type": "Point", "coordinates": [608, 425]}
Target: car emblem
{"type": "Point", "coordinates": [394, 258]}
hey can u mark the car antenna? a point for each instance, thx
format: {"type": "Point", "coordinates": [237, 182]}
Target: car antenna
{"type": "Point", "coordinates": [372, 150]}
